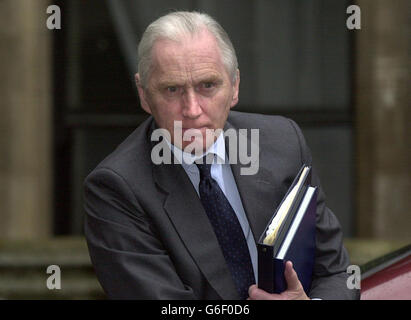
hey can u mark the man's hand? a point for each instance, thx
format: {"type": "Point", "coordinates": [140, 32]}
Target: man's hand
{"type": "Point", "coordinates": [294, 290]}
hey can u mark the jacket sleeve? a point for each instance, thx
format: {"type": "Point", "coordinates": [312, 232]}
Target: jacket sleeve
{"type": "Point", "coordinates": [128, 258]}
{"type": "Point", "coordinates": [331, 261]}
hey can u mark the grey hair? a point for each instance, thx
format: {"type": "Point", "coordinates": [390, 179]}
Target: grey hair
{"type": "Point", "coordinates": [174, 26]}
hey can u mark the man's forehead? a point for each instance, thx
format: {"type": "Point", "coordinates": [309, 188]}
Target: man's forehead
{"type": "Point", "coordinates": [188, 49]}
{"type": "Point", "coordinates": [176, 78]}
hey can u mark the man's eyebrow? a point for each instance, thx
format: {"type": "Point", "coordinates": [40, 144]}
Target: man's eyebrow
{"type": "Point", "coordinates": [169, 82]}
{"type": "Point", "coordinates": [208, 78]}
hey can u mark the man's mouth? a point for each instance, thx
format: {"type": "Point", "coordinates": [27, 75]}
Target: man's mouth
{"type": "Point", "coordinates": [193, 129]}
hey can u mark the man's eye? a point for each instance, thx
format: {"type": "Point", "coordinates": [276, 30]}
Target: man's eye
{"type": "Point", "coordinates": [208, 85]}
{"type": "Point", "coordinates": [172, 89]}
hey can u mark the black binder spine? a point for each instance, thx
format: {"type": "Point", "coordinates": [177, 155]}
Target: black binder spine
{"type": "Point", "coordinates": [265, 267]}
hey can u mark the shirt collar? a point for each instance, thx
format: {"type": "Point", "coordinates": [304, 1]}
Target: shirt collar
{"type": "Point", "coordinates": [187, 159]}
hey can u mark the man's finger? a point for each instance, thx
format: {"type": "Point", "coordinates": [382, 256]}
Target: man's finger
{"type": "Point", "coordinates": [293, 283]}
{"type": "Point", "coordinates": [257, 294]}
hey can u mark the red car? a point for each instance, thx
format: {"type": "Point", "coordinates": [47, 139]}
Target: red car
{"type": "Point", "coordinates": [388, 277]}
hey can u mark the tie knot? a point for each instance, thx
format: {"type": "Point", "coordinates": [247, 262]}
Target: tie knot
{"type": "Point", "coordinates": [205, 170]}
{"type": "Point", "coordinates": [204, 166]}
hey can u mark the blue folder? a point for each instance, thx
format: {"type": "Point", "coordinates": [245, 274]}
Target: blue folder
{"type": "Point", "coordinates": [295, 241]}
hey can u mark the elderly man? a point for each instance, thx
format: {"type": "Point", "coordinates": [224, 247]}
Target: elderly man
{"type": "Point", "coordinates": [187, 229]}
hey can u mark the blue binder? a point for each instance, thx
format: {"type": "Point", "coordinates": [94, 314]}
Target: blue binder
{"type": "Point", "coordinates": [295, 241]}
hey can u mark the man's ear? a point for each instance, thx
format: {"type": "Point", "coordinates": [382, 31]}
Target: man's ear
{"type": "Point", "coordinates": [142, 94]}
{"type": "Point", "coordinates": [236, 89]}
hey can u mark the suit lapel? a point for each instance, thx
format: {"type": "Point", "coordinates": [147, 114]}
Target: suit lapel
{"type": "Point", "coordinates": [187, 214]}
{"type": "Point", "coordinates": [257, 198]}
{"type": "Point", "coordinates": [257, 191]}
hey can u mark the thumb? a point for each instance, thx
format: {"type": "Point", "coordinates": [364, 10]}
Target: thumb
{"type": "Point", "coordinates": [293, 283]}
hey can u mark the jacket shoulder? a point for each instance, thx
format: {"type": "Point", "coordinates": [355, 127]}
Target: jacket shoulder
{"type": "Point", "coordinates": [130, 155]}
{"type": "Point", "coordinates": [272, 128]}
{"type": "Point", "coordinates": [255, 120]}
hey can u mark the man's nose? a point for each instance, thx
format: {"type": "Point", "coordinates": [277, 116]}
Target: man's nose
{"type": "Point", "coordinates": [191, 106]}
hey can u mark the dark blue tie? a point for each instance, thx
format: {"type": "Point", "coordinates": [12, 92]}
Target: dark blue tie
{"type": "Point", "coordinates": [227, 229]}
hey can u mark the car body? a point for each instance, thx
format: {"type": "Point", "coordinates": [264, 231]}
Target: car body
{"type": "Point", "coordinates": [388, 277]}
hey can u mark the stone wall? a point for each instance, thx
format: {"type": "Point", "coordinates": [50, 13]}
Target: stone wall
{"type": "Point", "coordinates": [25, 120]}
{"type": "Point", "coordinates": [383, 119]}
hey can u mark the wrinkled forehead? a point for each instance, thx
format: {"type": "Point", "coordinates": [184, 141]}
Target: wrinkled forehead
{"type": "Point", "coordinates": [188, 50]}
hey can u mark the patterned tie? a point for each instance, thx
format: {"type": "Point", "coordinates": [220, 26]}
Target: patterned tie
{"type": "Point", "coordinates": [227, 229]}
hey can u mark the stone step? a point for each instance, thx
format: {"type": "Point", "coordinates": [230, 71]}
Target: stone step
{"type": "Point", "coordinates": [23, 266]}
{"type": "Point", "coordinates": [23, 270]}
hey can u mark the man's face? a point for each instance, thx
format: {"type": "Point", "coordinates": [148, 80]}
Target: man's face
{"type": "Point", "coordinates": [189, 83]}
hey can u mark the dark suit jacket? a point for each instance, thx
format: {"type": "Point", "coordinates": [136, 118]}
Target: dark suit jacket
{"type": "Point", "coordinates": [149, 236]}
